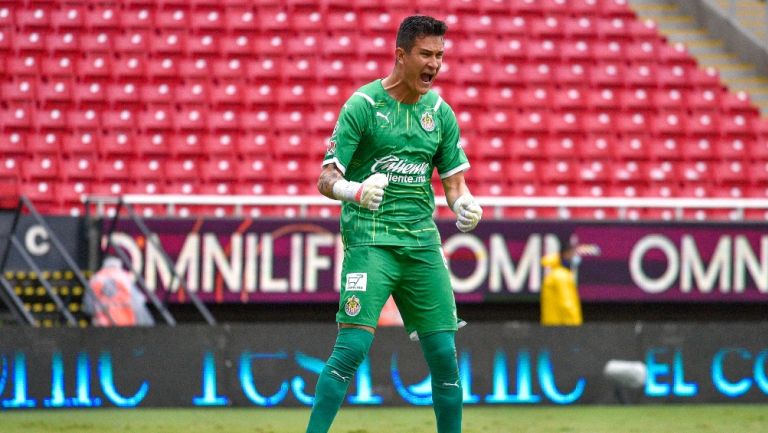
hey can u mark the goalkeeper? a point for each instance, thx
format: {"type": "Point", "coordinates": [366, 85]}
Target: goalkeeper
{"type": "Point", "coordinates": [391, 135]}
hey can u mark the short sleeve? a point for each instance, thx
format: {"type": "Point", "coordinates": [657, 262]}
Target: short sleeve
{"type": "Point", "coordinates": [350, 128]}
{"type": "Point", "coordinates": [450, 157]}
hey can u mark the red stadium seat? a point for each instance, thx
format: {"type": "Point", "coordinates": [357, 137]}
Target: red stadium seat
{"type": "Point", "coordinates": [524, 170]}
{"type": "Point", "coordinates": [577, 50]}
{"type": "Point", "coordinates": [254, 168]}
{"type": "Point", "coordinates": [566, 123]}
{"type": "Point", "coordinates": [18, 116]}
{"type": "Point", "coordinates": [47, 143]}
{"type": "Point", "coordinates": [186, 144]}
{"type": "Point", "coordinates": [492, 147]}
{"type": "Point", "coordinates": [698, 148]}
{"type": "Point", "coordinates": [641, 75]}
{"type": "Point", "coordinates": [183, 169]}
{"type": "Point", "coordinates": [41, 193]}
{"type": "Point", "coordinates": [139, 19]}
{"type": "Point", "coordinates": [22, 91]}
{"type": "Point", "coordinates": [605, 99]}
{"type": "Point", "coordinates": [207, 21]}
{"type": "Point", "coordinates": [63, 44]}
{"type": "Point", "coordinates": [116, 143]}
{"type": "Point", "coordinates": [10, 167]}
{"type": "Point", "coordinates": [228, 94]}
{"type": "Point", "coordinates": [300, 69]}
{"type": "Point", "coordinates": [13, 144]}
{"type": "Point", "coordinates": [526, 147]}
{"type": "Point", "coordinates": [609, 74]}
{"type": "Point", "coordinates": [80, 143]}
{"type": "Point", "coordinates": [273, 21]}
{"type": "Point", "coordinates": [56, 93]}
{"type": "Point", "coordinates": [192, 93]}
{"type": "Point", "coordinates": [561, 147]}
{"type": "Point", "coordinates": [734, 149]}
{"type": "Point", "coordinates": [135, 42]}
{"type": "Point", "coordinates": [102, 18]}
{"type": "Point", "coordinates": [365, 70]}
{"type": "Point", "coordinates": [572, 74]}
{"type": "Point", "coordinates": [505, 74]}
{"type": "Point", "coordinates": [59, 67]}
{"type": "Point", "coordinates": [291, 144]}
{"type": "Point", "coordinates": [40, 167]}
{"type": "Point", "coordinates": [219, 169]}
{"type": "Point", "coordinates": [632, 148]}
{"type": "Point", "coordinates": [225, 145]}
{"type": "Point", "coordinates": [21, 66]}
{"type": "Point", "coordinates": [147, 169]}
{"type": "Point", "coordinates": [69, 18]}
{"type": "Point", "coordinates": [30, 42]}
{"type": "Point", "coordinates": [152, 145]}
{"type": "Point", "coordinates": [642, 51]}
{"type": "Point", "coordinates": [596, 147]}
{"type": "Point", "coordinates": [113, 170]}
{"type": "Point", "coordinates": [665, 148]}
{"type": "Point", "coordinates": [190, 119]}
{"type": "Point", "coordinates": [172, 19]}
{"type": "Point", "coordinates": [335, 70]}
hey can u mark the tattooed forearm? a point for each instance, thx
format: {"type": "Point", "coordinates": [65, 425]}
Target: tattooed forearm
{"type": "Point", "coordinates": [328, 177]}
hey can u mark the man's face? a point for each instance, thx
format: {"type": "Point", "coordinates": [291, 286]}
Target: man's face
{"type": "Point", "coordinates": [422, 63]}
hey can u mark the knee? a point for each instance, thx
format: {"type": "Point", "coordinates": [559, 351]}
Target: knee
{"type": "Point", "coordinates": [443, 365]}
{"type": "Point", "coordinates": [351, 349]}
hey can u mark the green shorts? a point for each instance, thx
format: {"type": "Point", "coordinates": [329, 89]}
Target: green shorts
{"type": "Point", "coordinates": [416, 277]}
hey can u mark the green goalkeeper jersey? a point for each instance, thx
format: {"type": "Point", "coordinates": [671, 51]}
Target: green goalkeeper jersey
{"type": "Point", "coordinates": [377, 134]}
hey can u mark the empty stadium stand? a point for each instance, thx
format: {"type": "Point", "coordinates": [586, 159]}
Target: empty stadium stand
{"type": "Point", "coordinates": [555, 98]}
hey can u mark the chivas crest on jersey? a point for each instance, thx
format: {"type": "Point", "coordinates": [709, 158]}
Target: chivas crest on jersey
{"type": "Point", "coordinates": [427, 121]}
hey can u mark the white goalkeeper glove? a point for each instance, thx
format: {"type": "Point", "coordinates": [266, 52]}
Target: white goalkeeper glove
{"type": "Point", "coordinates": [468, 212]}
{"type": "Point", "coordinates": [368, 194]}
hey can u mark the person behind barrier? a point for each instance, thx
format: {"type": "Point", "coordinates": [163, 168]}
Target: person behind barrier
{"type": "Point", "coordinates": [114, 299]}
{"type": "Point", "coordinates": [560, 303]}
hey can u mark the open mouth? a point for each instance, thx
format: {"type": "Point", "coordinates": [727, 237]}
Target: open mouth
{"type": "Point", "coordinates": [427, 78]}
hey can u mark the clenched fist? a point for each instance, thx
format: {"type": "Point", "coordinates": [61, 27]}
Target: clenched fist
{"type": "Point", "coordinates": [371, 192]}
{"type": "Point", "coordinates": [468, 212]}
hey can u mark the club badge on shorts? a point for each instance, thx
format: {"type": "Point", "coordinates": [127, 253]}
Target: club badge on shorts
{"type": "Point", "coordinates": [427, 121]}
{"type": "Point", "coordinates": [352, 306]}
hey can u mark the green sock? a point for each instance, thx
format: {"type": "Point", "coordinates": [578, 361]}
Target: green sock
{"type": "Point", "coordinates": [447, 397]}
{"type": "Point", "coordinates": [351, 347]}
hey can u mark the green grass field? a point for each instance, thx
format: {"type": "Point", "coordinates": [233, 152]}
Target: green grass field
{"type": "Point", "coordinates": [583, 419]}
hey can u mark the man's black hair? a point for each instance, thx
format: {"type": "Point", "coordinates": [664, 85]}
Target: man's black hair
{"type": "Point", "coordinates": [418, 26]}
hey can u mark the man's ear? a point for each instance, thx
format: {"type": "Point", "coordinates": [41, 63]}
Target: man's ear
{"type": "Point", "coordinates": [399, 55]}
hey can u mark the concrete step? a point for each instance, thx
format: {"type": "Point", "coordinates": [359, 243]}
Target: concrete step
{"type": "Point", "coordinates": [756, 80]}
{"type": "Point", "coordinates": [716, 56]}
{"type": "Point", "coordinates": [706, 50]}
{"type": "Point", "coordinates": [675, 19]}
{"type": "Point", "coordinates": [684, 34]}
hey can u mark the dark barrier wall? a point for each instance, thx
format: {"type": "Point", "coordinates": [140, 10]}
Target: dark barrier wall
{"type": "Point", "coordinates": [277, 365]}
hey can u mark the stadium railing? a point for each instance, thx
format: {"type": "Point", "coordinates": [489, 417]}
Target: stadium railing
{"type": "Point", "coordinates": [495, 206]}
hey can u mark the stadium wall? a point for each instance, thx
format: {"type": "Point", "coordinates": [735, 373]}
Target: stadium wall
{"type": "Point", "coordinates": [508, 363]}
